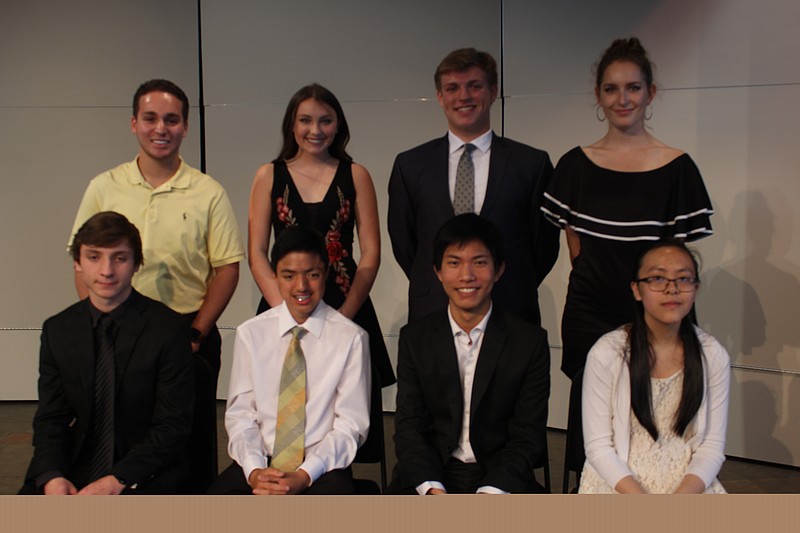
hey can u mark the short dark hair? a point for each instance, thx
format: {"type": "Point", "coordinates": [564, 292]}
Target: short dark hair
{"type": "Point", "coordinates": [319, 93]}
{"type": "Point", "coordinates": [464, 59]}
{"type": "Point", "coordinates": [164, 86]}
{"type": "Point", "coordinates": [630, 50]}
{"type": "Point", "coordinates": [466, 228]}
{"type": "Point", "coordinates": [298, 239]}
{"type": "Point", "coordinates": [107, 229]}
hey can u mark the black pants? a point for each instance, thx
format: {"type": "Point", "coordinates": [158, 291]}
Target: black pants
{"type": "Point", "coordinates": [232, 482]}
{"type": "Point", "coordinates": [203, 439]}
{"type": "Point", "coordinates": [459, 478]}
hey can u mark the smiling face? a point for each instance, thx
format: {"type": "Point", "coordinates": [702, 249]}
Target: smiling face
{"type": "Point", "coordinates": [301, 283]}
{"type": "Point", "coordinates": [468, 275]}
{"type": "Point", "coordinates": [107, 273]}
{"type": "Point", "coordinates": [315, 127]}
{"type": "Point", "coordinates": [666, 308]}
{"type": "Point", "coordinates": [466, 98]}
{"type": "Point", "coordinates": [624, 95]}
{"type": "Point", "coordinates": [159, 126]}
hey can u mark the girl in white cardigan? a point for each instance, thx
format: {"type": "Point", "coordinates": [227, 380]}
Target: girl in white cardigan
{"type": "Point", "coordinates": [655, 392]}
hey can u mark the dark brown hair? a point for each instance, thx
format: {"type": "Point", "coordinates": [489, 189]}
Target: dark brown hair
{"type": "Point", "coordinates": [298, 239]}
{"type": "Point", "coordinates": [630, 50]}
{"type": "Point", "coordinates": [464, 59]}
{"type": "Point", "coordinates": [320, 94]}
{"type": "Point", "coordinates": [104, 230]}
{"type": "Point", "coordinates": [162, 86]}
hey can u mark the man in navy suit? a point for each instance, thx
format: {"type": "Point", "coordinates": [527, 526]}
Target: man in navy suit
{"type": "Point", "coordinates": [508, 184]}
{"type": "Point", "coordinates": [116, 380]}
{"type": "Point", "coordinates": [472, 380]}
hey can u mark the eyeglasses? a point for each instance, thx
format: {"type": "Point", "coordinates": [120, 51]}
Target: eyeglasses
{"type": "Point", "coordinates": [660, 284]}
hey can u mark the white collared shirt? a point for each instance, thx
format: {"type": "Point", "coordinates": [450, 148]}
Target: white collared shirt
{"type": "Point", "coordinates": [337, 388]}
{"type": "Point", "coordinates": [480, 160]}
{"type": "Point", "coordinates": [468, 346]}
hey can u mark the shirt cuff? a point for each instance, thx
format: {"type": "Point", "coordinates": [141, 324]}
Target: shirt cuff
{"type": "Point", "coordinates": [488, 489]}
{"type": "Point", "coordinates": [423, 488]}
{"type": "Point", "coordinates": [314, 467]}
{"type": "Point", "coordinates": [250, 463]}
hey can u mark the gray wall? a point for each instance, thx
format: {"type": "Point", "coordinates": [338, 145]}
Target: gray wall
{"type": "Point", "coordinates": [729, 83]}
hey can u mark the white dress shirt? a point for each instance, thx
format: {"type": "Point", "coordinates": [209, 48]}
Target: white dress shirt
{"type": "Point", "coordinates": [337, 389]}
{"type": "Point", "coordinates": [468, 347]}
{"type": "Point", "coordinates": [480, 160]}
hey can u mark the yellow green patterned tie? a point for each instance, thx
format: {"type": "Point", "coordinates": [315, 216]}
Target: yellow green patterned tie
{"type": "Point", "coordinates": [289, 448]}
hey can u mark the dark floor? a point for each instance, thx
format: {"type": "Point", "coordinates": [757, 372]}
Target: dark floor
{"type": "Point", "coordinates": [737, 476]}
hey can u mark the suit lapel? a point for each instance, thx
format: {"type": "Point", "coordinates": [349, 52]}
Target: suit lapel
{"type": "Point", "coordinates": [444, 352]}
{"type": "Point", "coordinates": [81, 341]}
{"type": "Point", "coordinates": [130, 329]}
{"type": "Point", "coordinates": [498, 160]}
{"type": "Point", "coordinates": [439, 180]}
{"type": "Point", "coordinates": [493, 343]}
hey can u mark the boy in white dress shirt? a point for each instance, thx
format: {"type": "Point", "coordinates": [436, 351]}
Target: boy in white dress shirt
{"type": "Point", "coordinates": [334, 404]}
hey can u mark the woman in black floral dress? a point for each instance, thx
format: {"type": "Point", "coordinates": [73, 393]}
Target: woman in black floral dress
{"type": "Point", "coordinates": [314, 182]}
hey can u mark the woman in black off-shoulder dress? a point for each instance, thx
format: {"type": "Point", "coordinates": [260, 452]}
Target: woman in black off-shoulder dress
{"type": "Point", "coordinates": [614, 197]}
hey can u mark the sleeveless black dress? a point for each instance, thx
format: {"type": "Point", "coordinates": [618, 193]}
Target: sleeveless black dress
{"type": "Point", "coordinates": [616, 214]}
{"type": "Point", "coordinates": [334, 218]}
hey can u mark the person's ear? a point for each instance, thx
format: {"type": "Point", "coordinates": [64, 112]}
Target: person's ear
{"type": "Point", "coordinates": [635, 288]}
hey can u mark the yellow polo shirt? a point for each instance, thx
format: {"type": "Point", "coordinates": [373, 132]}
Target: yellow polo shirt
{"type": "Point", "coordinates": [187, 226]}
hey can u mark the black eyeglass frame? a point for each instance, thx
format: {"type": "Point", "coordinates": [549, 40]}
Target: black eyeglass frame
{"type": "Point", "coordinates": [692, 282]}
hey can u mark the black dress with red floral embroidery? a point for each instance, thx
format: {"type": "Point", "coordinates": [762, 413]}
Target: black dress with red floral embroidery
{"type": "Point", "coordinates": [333, 217]}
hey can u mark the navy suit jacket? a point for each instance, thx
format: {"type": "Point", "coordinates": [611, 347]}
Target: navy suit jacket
{"type": "Point", "coordinates": [508, 415]}
{"type": "Point", "coordinates": [419, 204]}
{"type": "Point", "coordinates": [154, 393]}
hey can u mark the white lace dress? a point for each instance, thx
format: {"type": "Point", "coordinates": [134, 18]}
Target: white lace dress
{"type": "Point", "coordinates": [658, 466]}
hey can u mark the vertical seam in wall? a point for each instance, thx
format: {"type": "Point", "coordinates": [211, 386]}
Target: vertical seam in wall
{"type": "Point", "coordinates": [201, 105]}
{"type": "Point", "coordinates": [502, 71]}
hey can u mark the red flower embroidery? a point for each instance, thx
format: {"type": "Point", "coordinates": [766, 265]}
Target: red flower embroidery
{"type": "Point", "coordinates": [335, 250]}
{"type": "Point", "coordinates": [285, 214]}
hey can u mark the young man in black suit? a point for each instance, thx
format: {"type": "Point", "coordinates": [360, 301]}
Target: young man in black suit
{"type": "Point", "coordinates": [502, 181]}
{"type": "Point", "coordinates": [116, 381]}
{"type": "Point", "coordinates": [473, 380]}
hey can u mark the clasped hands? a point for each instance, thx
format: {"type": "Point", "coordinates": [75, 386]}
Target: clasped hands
{"type": "Point", "coordinates": [271, 481]}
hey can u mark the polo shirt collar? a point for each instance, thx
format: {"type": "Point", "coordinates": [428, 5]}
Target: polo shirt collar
{"type": "Point", "coordinates": [179, 181]}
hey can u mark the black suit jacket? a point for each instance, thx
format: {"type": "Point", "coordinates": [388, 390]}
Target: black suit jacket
{"type": "Point", "coordinates": [419, 203]}
{"type": "Point", "coordinates": [154, 393]}
{"type": "Point", "coordinates": [509, 401]}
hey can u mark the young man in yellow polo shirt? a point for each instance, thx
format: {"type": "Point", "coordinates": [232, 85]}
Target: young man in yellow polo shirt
{"type": "Point", "coordinates": [191, 241]}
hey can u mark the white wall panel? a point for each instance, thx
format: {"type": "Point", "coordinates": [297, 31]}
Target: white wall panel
{"type": "Point", "coordinates": [551, 47]}
{"type": "Point", "coordinates": [363, 49]}
{"type": "Point", "coordinates": [94, 53]}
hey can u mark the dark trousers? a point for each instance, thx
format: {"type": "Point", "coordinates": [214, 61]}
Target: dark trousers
{"type": "Point", "coordinates": [171, 480]}
{"type": "Point", "coordinates": [231, 481]}
{"type": "Point", "coordinates": [459, 478]}
{"type": "Point", "coordinates": [203, 439]}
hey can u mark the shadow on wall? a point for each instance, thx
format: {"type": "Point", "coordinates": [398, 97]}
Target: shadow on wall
{"type": "Point", "coordinates": [762, 427]}
{"type": "Point", "coordinates": [750, 306]}
{"type": "Point", "coordinates": [750, 301]}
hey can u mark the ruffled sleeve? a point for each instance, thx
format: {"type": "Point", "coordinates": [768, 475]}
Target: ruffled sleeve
{"type": "Point", "coordinates": [670, 201]}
